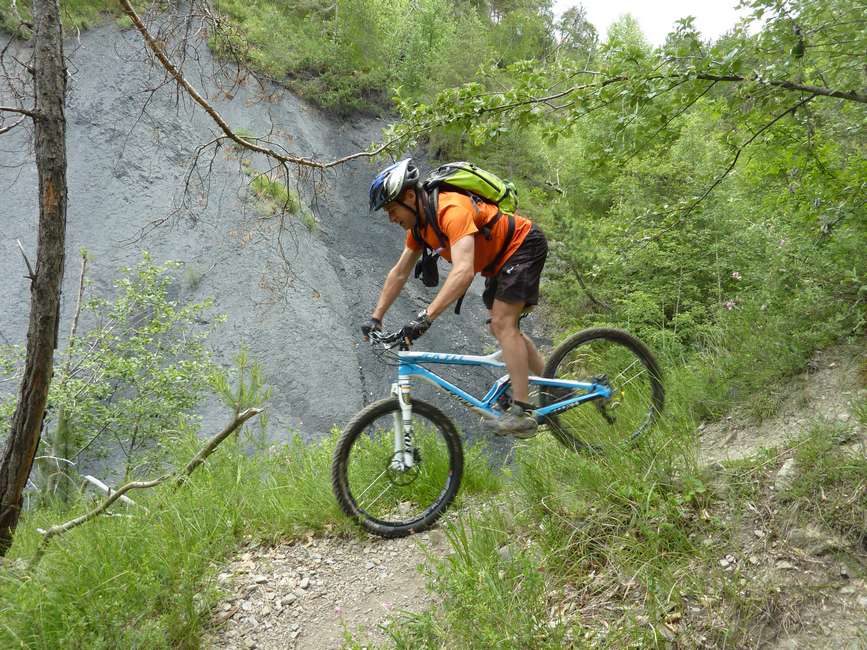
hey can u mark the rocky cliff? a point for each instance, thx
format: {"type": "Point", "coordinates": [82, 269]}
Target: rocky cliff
{"type": "Point", "coordinates": [294, 299]}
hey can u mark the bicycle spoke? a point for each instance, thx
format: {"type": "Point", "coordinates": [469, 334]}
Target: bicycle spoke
{"type": "Point", "coordinates": [378, 496]}
{"type": "Point", "coordinates": [627, 369]}
{"type": "Point", "coordinates": [385, 490]}
{"type": "Point", "coordinates": [372, 483]}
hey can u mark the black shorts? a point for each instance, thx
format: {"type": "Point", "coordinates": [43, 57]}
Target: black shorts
{"type": "Point", "coordinates": [518, 279]}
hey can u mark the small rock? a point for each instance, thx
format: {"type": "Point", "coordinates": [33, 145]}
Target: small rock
{"type": "Point", "coordinates": [727, 561]}
{"type": "Point", "coordinates": [249, 644]}
{"type": "Point", "coordinates": [305, 582]}
{"type": "Point", "coordinates": [288, 599]}
{"type": "Point", "coordinates": [259, 579]}
{"type": "Point", "coordinates": [246, 606]}
{"type": "Point", "coordinates": [847, 589]}
{"type": "Point", "coordinates": [862, 600]}
{"type": "Point", "coordinates": [815, 541]}
{"type": "Point", "coordinates": [782, 564]}
{"type": "Point", "coordinates": [754, 560]}
{"type": "Point", "coordinates": [786, 475]}
{"type": "Point", "coordinates": [368, 565]}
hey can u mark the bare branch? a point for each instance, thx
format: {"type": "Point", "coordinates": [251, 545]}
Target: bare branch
{"type": "Point", "coordinates": [198, 459]}
{"type": "Point", "coordinates": [212, 444]}
{"type": "Point", "coordinates": [790, 85]}
{"type": "Point", "coordinates": [30, 274]}
{"type": "Point", "coordinates": [74, 329]}
{"type": "Point", "coordinates": [6, 129]}
{"type": "Point", "coordinates": [107, 489]}
{"type": "Point", "coordinates": [158, 49]}
{"type": "Point", "coordinates": [23, 111]}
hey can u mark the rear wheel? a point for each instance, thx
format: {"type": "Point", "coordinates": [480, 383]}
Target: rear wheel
{"type": "Point", "coordinates": [396, 494]}
{"type": "Point", "coordinates": [622, 362]}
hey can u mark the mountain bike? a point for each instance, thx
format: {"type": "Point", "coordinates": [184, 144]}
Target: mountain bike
{"type": "Point", "coordinates": [398, 463]}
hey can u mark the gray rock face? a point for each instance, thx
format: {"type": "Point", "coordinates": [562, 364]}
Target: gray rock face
{"type": "Point", "coordinates": [130, 153]}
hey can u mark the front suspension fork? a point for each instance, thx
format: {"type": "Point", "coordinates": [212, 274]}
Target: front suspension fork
{"type": "Point", "coordinates": [404, 456]}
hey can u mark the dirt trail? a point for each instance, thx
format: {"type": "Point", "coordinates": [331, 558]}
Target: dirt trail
{"type": "Point", "coordinates": [826, 392]}
{"type": "Point", "coordinates": [307, 594]}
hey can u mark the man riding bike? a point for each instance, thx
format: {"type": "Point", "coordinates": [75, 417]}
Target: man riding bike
{"type": "Point", "coordinates": [470, 234]}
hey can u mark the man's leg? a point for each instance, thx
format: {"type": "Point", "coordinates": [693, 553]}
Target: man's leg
{"type": "Point", "coordinates": [516, 351]}
{"type": "Point", "coordinates": [534, 357]}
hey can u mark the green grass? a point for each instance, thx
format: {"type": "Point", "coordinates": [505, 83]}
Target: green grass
{"type": "Point", "coordinates": [75, 14]}
{"type": "Point", "coordinates": [148, 580]}
{"type": "Point", "coordinates": [274, 197]}
{"type": "Point", "coordinates": [616, 550]}
{"type": "Point", "coordinates": [623, 549]}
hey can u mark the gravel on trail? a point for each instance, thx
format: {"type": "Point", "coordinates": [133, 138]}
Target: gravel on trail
{"type": "Point", "coordinates": [310, 593]}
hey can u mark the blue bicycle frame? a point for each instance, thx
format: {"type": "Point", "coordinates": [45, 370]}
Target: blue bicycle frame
{"type": "Point", "coordinates": [412, 365]}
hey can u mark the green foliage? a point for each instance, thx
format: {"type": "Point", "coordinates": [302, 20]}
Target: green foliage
{"type": "Point", "coordinates": [135, 376]}
{"type": "Point", "coordinates": [349, 56]}
{"type": "Point", "coordinates": [276, 197]}
{"type": "Point", "coordinates": [75, 14]}
{"type": "Point", "coordinates": [149, 579]}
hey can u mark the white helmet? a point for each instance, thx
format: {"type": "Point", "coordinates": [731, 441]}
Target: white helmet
{"type": "Point", "coordinates": [391, 181]}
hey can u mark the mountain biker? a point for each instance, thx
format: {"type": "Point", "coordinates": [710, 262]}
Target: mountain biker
{"type": "Point", "coordinates": [511, 287]}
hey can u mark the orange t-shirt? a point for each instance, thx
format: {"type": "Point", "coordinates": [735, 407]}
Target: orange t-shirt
{"type": "Point", "coordinates": [459, 218]}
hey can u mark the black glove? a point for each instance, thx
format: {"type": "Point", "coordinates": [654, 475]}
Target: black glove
{"type": "Point", "coordinates": [370, 325]}
{"type": "Point", "coordinates": [416, 327]}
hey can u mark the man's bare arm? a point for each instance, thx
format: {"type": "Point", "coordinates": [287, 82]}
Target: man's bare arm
{"type": "Point", "coordinates": [460, 277]}
{"type": "Point", "coordinates": [395, 280]}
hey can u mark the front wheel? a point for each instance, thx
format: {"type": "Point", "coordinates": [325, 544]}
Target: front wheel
{"type": "Point", "coordinates": [394, 492]}
{"type": "Point", "coordinates": [619, 360]}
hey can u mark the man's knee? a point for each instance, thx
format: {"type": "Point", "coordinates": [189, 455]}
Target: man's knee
{"type": "Point", "coordinates": [503, 325]}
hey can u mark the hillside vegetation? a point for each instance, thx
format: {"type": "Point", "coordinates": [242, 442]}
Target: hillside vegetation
{"type": "Point", "coordinates": [707, 196]}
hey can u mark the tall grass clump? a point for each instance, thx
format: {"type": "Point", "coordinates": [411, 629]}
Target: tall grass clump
{"type": "Point", "coordinates": [146, 578]}
{"type": "Point", "coordinates": [584, 548]}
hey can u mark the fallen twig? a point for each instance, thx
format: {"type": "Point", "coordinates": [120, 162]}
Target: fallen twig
{"type": "Point", "coordinates": [198, 459]}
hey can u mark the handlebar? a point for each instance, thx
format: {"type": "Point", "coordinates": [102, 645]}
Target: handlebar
{"type": "Point", "coordinates": [389, 340]}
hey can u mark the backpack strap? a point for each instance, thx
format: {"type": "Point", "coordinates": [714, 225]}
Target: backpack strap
{"type": "Point", "coordinates": [430, 200]}
{"type": "Point", "coordinates": [511, 233]}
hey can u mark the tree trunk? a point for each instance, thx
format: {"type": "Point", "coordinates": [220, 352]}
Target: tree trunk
{"type": "Point", "coordinates": [50, 148]}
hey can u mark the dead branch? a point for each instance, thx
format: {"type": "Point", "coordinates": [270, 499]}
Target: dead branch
{"type": "Point", "coordinates": [158, 49]}
{"type": "Point", "coordinates": [212, 444]}
{"type": "Point", "coordinates": [17, 109]}
{"type": "Point", "coordinates": [198, 459]}
{"type": "Point", "coordinates": [30, 274]}
{"type": "Point", "coordinates": [6, 129]}
{"type": "Point", "coordinates": [107, 489]}
{"type": "Point", "coordinates": [74, 329]}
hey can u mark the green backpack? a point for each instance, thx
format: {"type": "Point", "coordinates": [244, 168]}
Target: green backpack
{"type": "Point", "coordinates": [467, 178]}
